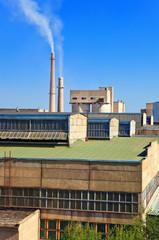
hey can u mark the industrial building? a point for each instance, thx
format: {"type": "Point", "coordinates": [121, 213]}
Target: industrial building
{"type": "Point", "coordinates": [100, 100]}
{"type": "Point", "coordinates": [65, 165]}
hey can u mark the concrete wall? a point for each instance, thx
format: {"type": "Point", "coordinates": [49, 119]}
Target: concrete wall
{"type": "Point", "coordinates": [80, 107]}
{"type": "Point", "coordinates": [100, 217]}
{"type": "Point", "coordinates": [150, 166]}
{"type": "Point", "coordinates": [132, 128]}
{"type": "Point", "coordinates": [101, 108]}
{"type": "Point", "coordinates": [77, 95]}
{"type": "Point", "coordinates": [77, 128]}
{"type": "Point", "coordinates": [29, 227]}
{"type": "Point", "coordinates": [118, 107]}
{"type": "Point", "coordinates": [76, 175]}
{"type": "Point", "coordinates": [114, 128]}
{"type": "Point", "coordinates": [149, 109]}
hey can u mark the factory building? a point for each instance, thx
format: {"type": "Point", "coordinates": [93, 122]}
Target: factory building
{"type": "Point", "coordinates": [44, 165]}
{"type": "Point", "coordinates": [100, 100]}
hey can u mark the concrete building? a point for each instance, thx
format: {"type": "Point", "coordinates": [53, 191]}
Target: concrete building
{"type": "Point", "coordinates": [97, 181]}
{"type": "Point", "coordinates": [19, 225]}
{"type": "Point", "coordinates": [101, 101]}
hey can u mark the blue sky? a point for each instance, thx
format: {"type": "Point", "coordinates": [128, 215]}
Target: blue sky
{"type": "Point", "coordinates": [106, 43]}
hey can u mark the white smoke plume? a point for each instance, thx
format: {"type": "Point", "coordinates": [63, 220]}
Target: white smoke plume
{"type": "Point", "coordinates": [45, 22]}
{"type": "Point", "coordinates": [57, 28]}
{"type": "Point", "coordinates": [32, 13]}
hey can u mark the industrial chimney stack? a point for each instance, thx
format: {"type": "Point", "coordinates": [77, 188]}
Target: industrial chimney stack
{"type": "Point", "coordinates": [60, 94]}
{"type": "Point", "coordinates": [52, 84]}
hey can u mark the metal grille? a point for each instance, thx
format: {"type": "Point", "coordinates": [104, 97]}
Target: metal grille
{"type": "Point", "coordinates": [34, 135]}
{"type": "Point", "coordinates": [98, 129]}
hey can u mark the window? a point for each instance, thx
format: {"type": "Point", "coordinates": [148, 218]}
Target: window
{"type": "Point", "coordinates": [83, 98]}
{"type": "Point", "coordinates": [71, 199]}
{"type": "Point", "coordinates": [93, 98]}
{"type": "Point", "coordinates": [74, 98]}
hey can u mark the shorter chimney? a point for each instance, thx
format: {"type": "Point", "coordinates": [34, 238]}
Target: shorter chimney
{"type": "Point", "coordinates": [60, 94]}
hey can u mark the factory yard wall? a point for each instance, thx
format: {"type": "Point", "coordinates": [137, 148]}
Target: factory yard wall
{"type": "Point", "coordinates": [29, 227]}
{"type": "Point", "coordinates": [77, 128]}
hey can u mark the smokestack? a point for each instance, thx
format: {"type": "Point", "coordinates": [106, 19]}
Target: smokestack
{"type": "Point", "coordinates": [60, 94]}
{"type": "Point", "coordinates": [52, 84]}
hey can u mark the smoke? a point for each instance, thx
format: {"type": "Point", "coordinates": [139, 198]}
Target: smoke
{"type": "Point", "coordinates": [32, 13]}
{"type": "Point", "coordinates": [57, 29]}
{"type": "Point", "coordinates": [46, 21]}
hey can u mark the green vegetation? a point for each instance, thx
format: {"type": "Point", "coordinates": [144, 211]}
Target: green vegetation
{"type": "Point", "coordinates": [76, 232]}
{"type": "Point", "coordinates": [138, 231]}
{"type": "Point", "coordinates": [121, 148]}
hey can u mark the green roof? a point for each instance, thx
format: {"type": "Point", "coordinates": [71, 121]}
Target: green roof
{"type": "Point", "coordinates": [121, 148]}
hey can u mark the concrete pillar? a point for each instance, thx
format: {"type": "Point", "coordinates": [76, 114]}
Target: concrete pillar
{"type": "Point", "coordinates": [144, 119]}
{"type": "Point", "coordinates": [151, 120]}
{"type": "Point", "coordinates": [60, 95]}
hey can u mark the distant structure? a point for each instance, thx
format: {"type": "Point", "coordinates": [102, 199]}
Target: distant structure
{"type": "Point", "coordinates": [152, 111]}
{"type": "Point", "coordinates": [52, 84]}
{"type": "Point", "coordinates": [28, 110]}
{"type": "Point", "coordinates": [60, 95]}
{"type": "Point", "coordinates": [101, 101]}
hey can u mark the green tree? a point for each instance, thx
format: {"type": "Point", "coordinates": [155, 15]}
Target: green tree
{"type": "Point", "coordinates": [76, 232]}
{"type": "Point", "coordinates": [140, 229]}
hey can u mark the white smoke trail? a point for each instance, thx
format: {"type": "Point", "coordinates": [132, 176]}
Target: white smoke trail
{"type": "Point", "coordinates": [57, 28]}
{"type": "Point", "coordinates": [32, 13]}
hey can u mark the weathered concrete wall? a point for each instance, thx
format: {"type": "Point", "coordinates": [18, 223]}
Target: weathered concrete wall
{"type": "Point", "coordinates": [95, 176]}
{"type": "Point", "coordinates": [77, 175]}
{"type": "Point", "coordinates": [114, 128]}
{"type": "Point", "coordinates": [118, 107]}
{"type": "Point", "coordinates": [149, 109]}
{"type": "Point", "coordinates": [23, 174]}
{"type": "Point", "coordinates": [77, 128]}
{"type": "Point", "coordinates": [150, 166]}
{"type": "Point", "coordinates": [132, 128]}
{"type": "Point", "coordinates": [29, 227]}
{"type": "Point", "coordinates": [101, 108]}
{"type": "Point", "coordinates": [95, 217]}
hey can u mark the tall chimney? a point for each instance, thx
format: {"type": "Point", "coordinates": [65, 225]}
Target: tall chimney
{"type": "Point", "coordinates": [60, 95]}
{"type": "Point", "coordinates": [52, 84]}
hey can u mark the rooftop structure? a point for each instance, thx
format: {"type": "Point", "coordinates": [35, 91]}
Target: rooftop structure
{"type": "Point", "coordinates": [101, 101]}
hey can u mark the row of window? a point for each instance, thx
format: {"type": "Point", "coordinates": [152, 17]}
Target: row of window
{"type": "Point", "coordinates": [150, 189]}
{"type": "Point", "coordinates": [54, 229]}
{"type": "Point", "coordinates": [73, 200]}
{"type": "Point", "coordinates": [69, 204]}
{"type": "Point", "coordinates": [84, 98]}
{"type": "Point", "coordinates": [71, 194]}
{"type": "Point", "coordinates": [33, 125]}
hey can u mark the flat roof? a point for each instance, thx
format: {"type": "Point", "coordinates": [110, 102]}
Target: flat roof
{"type": "Point", "coordinates": [10, 218]}
{"type": "Point", "coordinates": [120, 148]}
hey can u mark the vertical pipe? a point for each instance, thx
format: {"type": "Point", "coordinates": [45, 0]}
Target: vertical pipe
{"type": "Point", "coordinates": [4, 178]}
{"type": "Point", "coordinates": [9, 175]}
{"type": "Point", "coordinates": [60, 94]}
{"type": "Point", "coordinates": [52, 84]}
